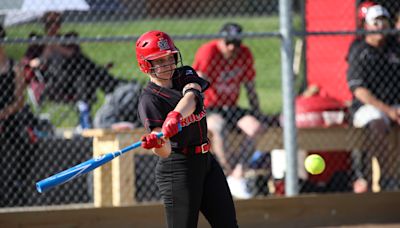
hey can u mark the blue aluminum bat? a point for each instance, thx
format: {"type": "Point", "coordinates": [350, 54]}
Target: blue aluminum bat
{"type": "Point", "coordinates": [83, 168]}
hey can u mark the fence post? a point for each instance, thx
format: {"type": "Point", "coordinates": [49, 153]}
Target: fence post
{"type": "Point", "coordinates": [289, 132]}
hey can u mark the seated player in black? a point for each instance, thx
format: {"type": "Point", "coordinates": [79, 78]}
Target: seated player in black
{"type": "Point", "coordinates": [189, 178]}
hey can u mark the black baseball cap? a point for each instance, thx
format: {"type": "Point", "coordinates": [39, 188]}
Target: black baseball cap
{"type": "Point", "coordinates": [231, 31]}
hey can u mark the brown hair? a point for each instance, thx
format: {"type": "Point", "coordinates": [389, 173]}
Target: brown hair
{"type": "Point", "coordinates": [51, 18]}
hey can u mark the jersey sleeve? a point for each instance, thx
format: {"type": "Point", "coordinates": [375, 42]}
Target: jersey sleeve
{"type": "Point", "coordinates": [202, 59]}
{"type": "Point", "coordinates": [356, 73]}
{"type": "Point", "coordinates": [186, 75]}
{"type": "Point", "coordinates": [149, 113]}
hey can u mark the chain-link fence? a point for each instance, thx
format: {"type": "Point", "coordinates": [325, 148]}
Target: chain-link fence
{"type": "Point", "coordinates": [74, 68]}
{"type": "Point", "coordinates": [339, 70]}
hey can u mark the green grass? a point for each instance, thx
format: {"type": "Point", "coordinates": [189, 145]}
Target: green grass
{"type": "Point", "coordinates": [266, 51]}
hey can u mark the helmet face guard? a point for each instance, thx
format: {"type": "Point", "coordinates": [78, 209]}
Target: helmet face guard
{"type": "Point", "coordinates": [153, 45]}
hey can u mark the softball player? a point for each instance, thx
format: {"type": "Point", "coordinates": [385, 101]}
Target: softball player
{"type": "Point", "coordinates": [187, 175]}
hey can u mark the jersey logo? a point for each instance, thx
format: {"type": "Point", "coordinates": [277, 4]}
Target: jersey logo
{"type": "Point", "coordinates": [189, 72]}
{"type": "Point", "coordinates": [163, 44]}
{"type": "Point", "coordinates": [193, 118]}
{"type": "Point", "coordinates": [230, 74]}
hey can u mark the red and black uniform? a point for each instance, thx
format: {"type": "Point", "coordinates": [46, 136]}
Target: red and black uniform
{"type": "Point", "coordinates": [226, 76]}
{"type": "Point", "coordinates": [190, 180]}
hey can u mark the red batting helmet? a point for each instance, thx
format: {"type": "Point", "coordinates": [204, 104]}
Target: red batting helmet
{"type": "Point", "coordinates": [363, 8]}
{"type": "Point", "coordinates": [153, 45]}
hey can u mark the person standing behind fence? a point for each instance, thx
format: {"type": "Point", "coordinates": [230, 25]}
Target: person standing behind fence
{"type": "Point", "coordinates": [187, 175]}
{"type": "Point", "coordinates": [360, 184]}
{"type": "Point", "coordinates": [361, 12]}
{"type": "Point", "coordinates": [14, 140]}
{"type": "Point", "coordinates": [374, 79]}
{"type": "Point", "coordinates": [227, 64]}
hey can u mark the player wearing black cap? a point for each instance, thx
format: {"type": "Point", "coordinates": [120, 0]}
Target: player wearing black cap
{"type": "Point", "coordinates": [232, 33]}
{"type": "Point", "coordinates": [228, 64]}
{"type": "Point", "coordinates": [187, 175]}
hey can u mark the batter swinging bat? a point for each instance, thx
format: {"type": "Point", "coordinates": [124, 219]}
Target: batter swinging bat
{"type": "Point", "coordinates": [84, 167]}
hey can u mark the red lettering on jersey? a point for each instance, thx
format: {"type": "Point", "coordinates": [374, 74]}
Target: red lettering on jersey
{"type": "Point", "coordinates": [193, 118]}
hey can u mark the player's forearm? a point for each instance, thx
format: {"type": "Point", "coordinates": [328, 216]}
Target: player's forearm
{"type": "Point", "coordinates": [186, 105]}
{"type": "Point", "coordinates": [164, 151]}
{"type": "Point", "coordinates": [252, 96]}
{"type": "Point", "coordinates": [366, 97]}
{"type": "Point", "coordinates": [254, 103]}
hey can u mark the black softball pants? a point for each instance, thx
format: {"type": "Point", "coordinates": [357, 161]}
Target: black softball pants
{"type": "Point", "coordinates": [192, 183]}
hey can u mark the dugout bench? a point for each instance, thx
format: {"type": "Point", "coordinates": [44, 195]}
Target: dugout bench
{"type": "Point", "coordinates": [114, 184]}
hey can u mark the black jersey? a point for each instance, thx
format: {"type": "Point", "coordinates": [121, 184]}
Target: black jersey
{"type": "Point", "coordinates": [156, 102]}
{"type": "Point", "coordinates": [376, 69]}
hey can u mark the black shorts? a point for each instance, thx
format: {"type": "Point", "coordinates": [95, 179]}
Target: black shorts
{"type": "Point", "coordinates": [231, 114]}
